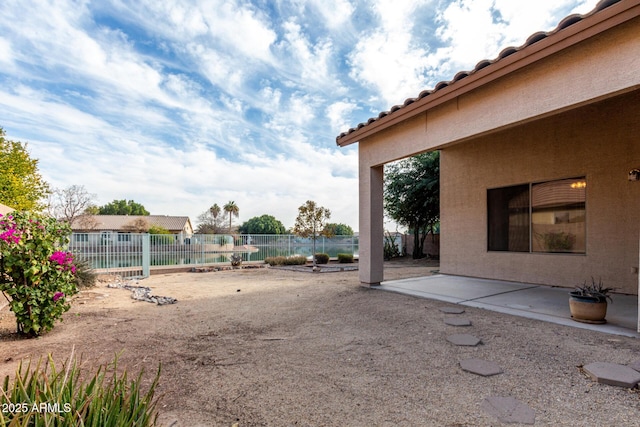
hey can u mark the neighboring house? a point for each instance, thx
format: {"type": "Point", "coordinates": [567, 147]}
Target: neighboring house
{"type": "Point", "coordinates": [116, 227]}
{"type": "Point", "coordinates": [5, 209]}
{"type": "Point", "coordinates": [539, 151]}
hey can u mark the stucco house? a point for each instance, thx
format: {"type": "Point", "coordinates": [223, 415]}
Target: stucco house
{"type": "Point", "coordinates": [117, 226]}
{"type": "Point", "coordinates": [540, 151]}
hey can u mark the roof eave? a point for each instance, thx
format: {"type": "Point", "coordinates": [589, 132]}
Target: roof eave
{"type": "Point", "coordinates": [573, 34]}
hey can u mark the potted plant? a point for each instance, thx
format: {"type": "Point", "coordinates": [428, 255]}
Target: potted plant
{"type": "Point", "coordinates": [588, 303]}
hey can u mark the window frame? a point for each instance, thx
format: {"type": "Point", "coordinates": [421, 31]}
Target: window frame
{"type": "Point", "coordinates": [492, 232]}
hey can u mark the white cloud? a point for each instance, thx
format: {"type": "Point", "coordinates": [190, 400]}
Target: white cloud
{"type": "Point", "coordinates": [339, 114]}
{"type": "Point", "coordinates": [473, 30]}
{"type": "Point", "coordinates": [305, 63]}
{"type": "Point", "coordinates": [335, 13]}
{"type": "Point", "coordinates": [6, 53]}
{"type": "Point", "coordinates": [389, 57]}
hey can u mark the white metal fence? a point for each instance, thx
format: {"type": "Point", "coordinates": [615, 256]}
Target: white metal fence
{"type": "Point", "coordinates": [135, 254]}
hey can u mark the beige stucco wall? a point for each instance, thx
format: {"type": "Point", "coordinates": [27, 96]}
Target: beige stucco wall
{"type": "Point", "coordinates": [601, 142]}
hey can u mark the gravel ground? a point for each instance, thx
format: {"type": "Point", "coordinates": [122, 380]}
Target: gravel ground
{"type": "Point", "coordinates": [267, 347]}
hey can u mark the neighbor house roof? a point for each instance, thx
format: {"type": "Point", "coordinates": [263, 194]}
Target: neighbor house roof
{"type": "Point", "coordinates": [570, 31]}
{"type": "Point", "coordinates": [124, 222]}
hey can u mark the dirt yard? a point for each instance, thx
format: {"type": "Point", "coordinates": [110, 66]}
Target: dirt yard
{"type": "Point", "coordinates": [267, 347]}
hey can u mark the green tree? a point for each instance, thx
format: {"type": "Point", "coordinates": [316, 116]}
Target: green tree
{"type": "Point", "coordinates": [160, 235]}
{"type": "Point", "coordinates": [265, 224]}
{"type": "Point", "coordinates": [122, 207]}
{"type": "Point", "coordinates": [92, 210]}
{"type": "Point", "coordinates": [158, 229]}
{"type": "Point", "coordinates": [339, 229]}
{"type": "Point", "coordinates": [21, 185]}
{"type": "Point", "coordinates": [412, 196]}
{"type": "Point", "coordinates": [311, 222]}
{"type": "Point", "coordinates": [210, 221]}
{"type": "Point", "coordinates": [233, 210]}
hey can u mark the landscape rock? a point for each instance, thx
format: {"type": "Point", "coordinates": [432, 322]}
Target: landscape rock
{"type": "Point", "coordinates": [613, 374]}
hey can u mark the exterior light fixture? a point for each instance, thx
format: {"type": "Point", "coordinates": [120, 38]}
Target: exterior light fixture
{"type": "Point", "coordinates": [634, 175]}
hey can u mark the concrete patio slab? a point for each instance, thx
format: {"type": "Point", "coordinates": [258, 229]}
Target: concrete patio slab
{"type": "Point", "coordinates": [456, 288]}
{"type": "Point", "coordinates": [532, 301]}
{"type": "Point", "coordinates": [485, 368]}
{"type": "Point", "coordinates": [509, 410]}
{"type": "Point", "coordinates": [457, 321]}
{"type": "Point", "coordinates": [464, 340]}
{"type": "Point", "coordinates": [613, 374]}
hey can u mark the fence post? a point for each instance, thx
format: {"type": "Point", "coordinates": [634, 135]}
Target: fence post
{"type": "Point", "coordinates": [146, 255]}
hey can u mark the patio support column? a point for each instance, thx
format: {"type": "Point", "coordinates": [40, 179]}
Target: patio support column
{"type": "Point", "coordinates": [371, 254]}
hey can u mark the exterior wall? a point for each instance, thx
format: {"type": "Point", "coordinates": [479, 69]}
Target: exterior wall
{"type": "Point", "coordinates": [601, 142]}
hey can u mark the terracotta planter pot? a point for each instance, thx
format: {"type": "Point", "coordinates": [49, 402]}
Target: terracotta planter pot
{"type": "Point", "coordinates": [587, 310]}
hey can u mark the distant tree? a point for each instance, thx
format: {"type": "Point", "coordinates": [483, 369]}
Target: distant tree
{"type": "Point", "coordinates": [412, 196]}
{"type": "Point", "coordinates": [265, 224]}
{"type": "Point", "coordinates": [21, 185]}
{"type": "Point", "coordinates": [339, 229]}
{"type": "Point", "coordinates": [92, 210]}
{"type": "Point", "coordinates": [210, 221]}
{"type": "Point", "coordinates": [67, 204]}
{"type": "Point", "coordinates": [122, 207]}
{"type": "Point", "coordinates": [233, 210]}
{"type": "Point", "coordinates": [157, 229]}
{"type": "Point", "coordinates": [160, 235]}
{"type": "Point", "coordinates": [311, 223]}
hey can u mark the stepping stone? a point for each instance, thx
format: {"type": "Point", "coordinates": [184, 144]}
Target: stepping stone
{"type": "Point", "coordinates": [509, 410]}
{"type": "Point", "coordinates": [635, 365]}
{"type": "Point", "coordinates": [457, 321]}
{"type": "Point", "coordinates": [452, 310]}
{"type": "Point", "coordinates": [613, 374]}
{"type": "Point", "coordinates": [485, 368]}
{"type": "Point", "coordinates": [463, 339]}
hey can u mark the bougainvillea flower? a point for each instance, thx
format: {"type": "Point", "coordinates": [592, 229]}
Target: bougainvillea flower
{"type": "Point", "coordinates": [57, 296]}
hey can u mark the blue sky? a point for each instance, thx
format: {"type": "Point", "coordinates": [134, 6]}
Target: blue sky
{"type": "Point", "coordinates": [179, 104]}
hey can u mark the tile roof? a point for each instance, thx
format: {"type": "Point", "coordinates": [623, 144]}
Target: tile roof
{"type": "Point", "coordinates": [120, 222]}
{"type": "Point", "coordinates": [343, 138]}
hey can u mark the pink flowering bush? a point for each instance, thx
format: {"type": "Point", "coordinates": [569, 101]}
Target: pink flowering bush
{"type": "Point", "coordinates": [36, 273]}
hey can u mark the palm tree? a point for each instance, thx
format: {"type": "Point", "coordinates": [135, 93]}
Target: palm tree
{"type": "Point", "coordinates": [215, 211]}
{"type": "Point", "coordinates": [233, 210]}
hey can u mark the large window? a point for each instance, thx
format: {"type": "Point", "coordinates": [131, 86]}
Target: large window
{"type": "Point", "coordinates": [541, 217]}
